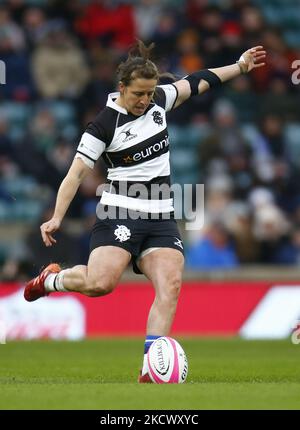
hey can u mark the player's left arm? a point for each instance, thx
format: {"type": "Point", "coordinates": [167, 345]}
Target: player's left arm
{"type": "Point", "coordinates": [199, 82]}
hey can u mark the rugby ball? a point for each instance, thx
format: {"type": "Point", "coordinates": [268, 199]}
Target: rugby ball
{"type": "Point", "coordinates": [167, 362]}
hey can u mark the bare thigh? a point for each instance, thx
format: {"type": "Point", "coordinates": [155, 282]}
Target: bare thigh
{"type": "Point", "coordinates": [163, 267]}
{"type": "Point", "coordinates": [105, 267]}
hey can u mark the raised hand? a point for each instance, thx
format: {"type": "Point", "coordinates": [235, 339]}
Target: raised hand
{"type": "Point", "coordinates": [252, 59]}
{"type": "Point", "coordinates": [47, 230]}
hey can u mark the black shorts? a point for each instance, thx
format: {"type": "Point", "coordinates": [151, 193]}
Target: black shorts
{"type": "Point", "coordinates": [136, 236]}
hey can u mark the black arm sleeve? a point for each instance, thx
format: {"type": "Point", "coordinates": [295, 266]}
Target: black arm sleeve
{"type": "Point", "coordinates": [194, 79]}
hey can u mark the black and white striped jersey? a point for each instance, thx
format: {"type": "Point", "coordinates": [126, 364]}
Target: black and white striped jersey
{"type": "Point", "coordinates": [134, 148]}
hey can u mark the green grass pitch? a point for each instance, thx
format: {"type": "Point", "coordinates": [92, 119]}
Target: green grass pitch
{"type": "Point", "coordinates": [101, 374]}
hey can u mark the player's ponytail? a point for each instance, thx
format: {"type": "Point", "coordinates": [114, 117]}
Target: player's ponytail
{"type": "Point", "coordinates": [139, 49]}
{"type": "Point", "coordinates": [138, 64]}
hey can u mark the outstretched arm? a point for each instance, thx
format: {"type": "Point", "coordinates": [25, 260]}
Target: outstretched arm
{"type": "Point", "coordinates": [65, 195]}
{"type": "Point", "coordinates": [199, 82]}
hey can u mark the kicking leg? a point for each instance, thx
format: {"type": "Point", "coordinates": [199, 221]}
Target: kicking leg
{"type": "Point", "coordinates": [101, 275]}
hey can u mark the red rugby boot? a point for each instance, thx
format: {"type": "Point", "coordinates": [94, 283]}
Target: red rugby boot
{"type": "Point", "coordinates": [144, 379]}
{"type": "Point", "coordinates": [36, 287]}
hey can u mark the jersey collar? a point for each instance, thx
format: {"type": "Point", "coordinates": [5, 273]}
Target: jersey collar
{"type": "Point", "coordinates": [112, 104]}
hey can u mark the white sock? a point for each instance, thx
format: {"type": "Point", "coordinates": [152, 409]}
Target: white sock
{"type": "Point", "coordinates": [54, 282]}
{"type": "Point", "coordinates": [145, 365]}
{"type": "Point", "coordinates": [150, 338]}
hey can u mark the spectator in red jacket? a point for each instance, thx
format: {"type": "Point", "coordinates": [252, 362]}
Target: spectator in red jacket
{"type": "Point", "coordinates": [113, 24]}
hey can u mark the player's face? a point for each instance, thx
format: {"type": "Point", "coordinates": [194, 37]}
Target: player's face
{"type": "Point", "coordinates": [137, 96]}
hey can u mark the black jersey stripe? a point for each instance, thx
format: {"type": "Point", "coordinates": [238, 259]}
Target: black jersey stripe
{"type": "Point", "coordinates": [159, 180]}
{"type": "Point", "coordinates": [160, 97]}
{"type": "Point", "coordinates": [146, 150]}
{"type": "Point", "coordinates": [103, 126]}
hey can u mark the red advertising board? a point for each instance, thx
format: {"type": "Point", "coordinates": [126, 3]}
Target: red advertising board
{"type": "Point", "coordinates": [204, 308]}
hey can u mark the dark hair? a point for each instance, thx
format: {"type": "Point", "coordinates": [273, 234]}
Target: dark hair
{"type": "Point", "coordinates": [138, 64]}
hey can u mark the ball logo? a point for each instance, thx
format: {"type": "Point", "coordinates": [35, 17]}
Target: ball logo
{"type": "Point", "coordinates": [185, 369]}
{"type": "Point", "coordinates": [162, 368]}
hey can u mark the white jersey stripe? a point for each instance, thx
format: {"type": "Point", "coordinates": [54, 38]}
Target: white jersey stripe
{"type": "Point", "coordinates": [143, 205]}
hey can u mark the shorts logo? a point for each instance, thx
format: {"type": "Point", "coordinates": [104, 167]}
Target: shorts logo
{"type": "Point", "coordinates": [178, 243]}
{"type": "Point", "coordinates": [122, 233]}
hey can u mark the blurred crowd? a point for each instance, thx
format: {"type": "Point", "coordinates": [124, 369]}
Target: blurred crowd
{"type": "Point", "coordinates": [241, 141]}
